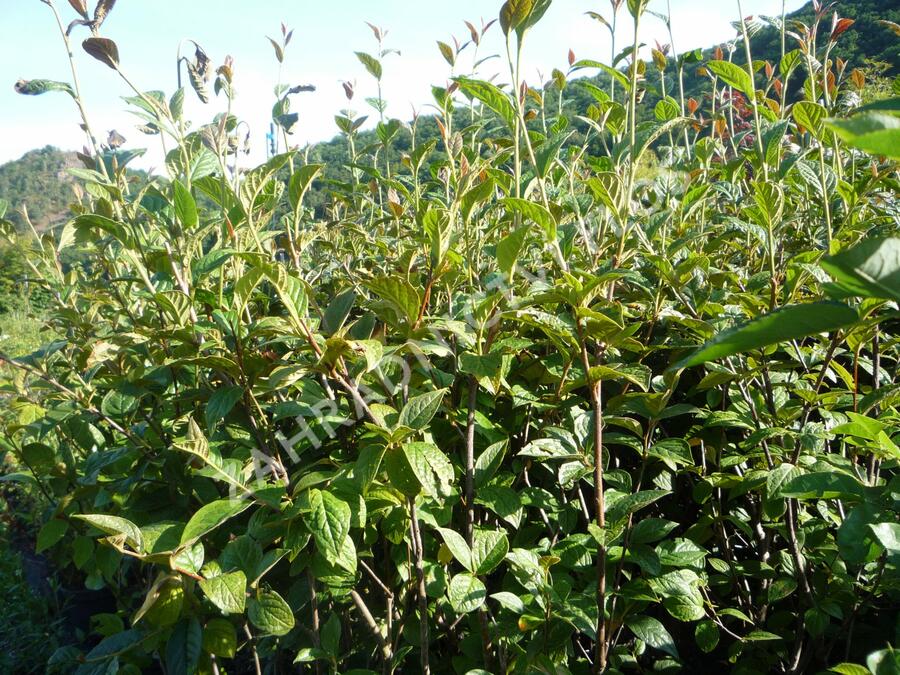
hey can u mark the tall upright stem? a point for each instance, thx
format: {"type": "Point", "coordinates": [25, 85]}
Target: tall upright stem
{"type": "Point", "coordinates": [101, 165]}
{"type": "Point", "coordinates": [419, 555]}
{"type": "Point", "coordinates": [601, 645]}
{"type": "Point", "coordinates": [756, 120]}
{"type": "Point", "coordinates": [680, 66]}
{"type": "Point", "coordinates": [783, 27]}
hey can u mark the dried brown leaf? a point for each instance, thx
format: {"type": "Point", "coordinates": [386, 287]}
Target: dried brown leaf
{"type": "Point", "coordinates": [80, 6]}
{"type": "Point", "coordinates": [104, 7]}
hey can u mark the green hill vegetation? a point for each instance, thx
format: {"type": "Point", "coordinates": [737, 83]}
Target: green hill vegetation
{"type": "Point", "coordinates": [39, 181]}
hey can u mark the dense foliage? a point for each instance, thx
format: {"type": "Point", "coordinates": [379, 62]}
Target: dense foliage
{"type": "Point", "coordinates": [504, 403]}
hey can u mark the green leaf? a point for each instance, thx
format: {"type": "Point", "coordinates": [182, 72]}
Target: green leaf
{"type": "Point", "coordinates": [849, 669]}
{"type": "Point", "coordinates": [115, 644]}
{"type": "Point", "coordinates": [824, 485]}
{"type": "Point", "coordinates": [292, 293]}
{"type": "Point", "coordinates": [637, 374]}
{"type": "Point", "coordinates": [331, 635]}
{"type": "Point", "coordinates": [513, 14]}
{"type": "Point", "coordinates": [612, 72]}
{"type": "Point", "coordinates": [310, 654]}
{"type": "Point", "coordinates": [681, 598]}
{"type": "Point", "coordinates": [681, 553]}
{"type": "Point", "coordinates": [91, 226]}
{"type": "Point", "coordinates": [39, 457]}
{"type": "Point", "coordinates": [431, 467]}
{"type": "Point", "coordinates": [270, 613]}
{"type": "Point", "coordinates": [649, 530]}
{"type": "Point", "coordinates": [781, 588]}
{"type": "Point", "coordinates": [482, 192]}
{"type": "Point", "coordinates": [547, 153]}
{"type": "Point", "coordinates": [400, 473]}
{"type": "Point", "coordinates": [244, 287]}
{"type": "Point", "coordinates": [889, 105]}
{"type": "Point", "coordinates": [466, 593]}
{"type": "Point", "coordinates": [631, 503]}
{"type": "Point", "coordinates": [220, 638]}
{"type": "Point", "coordinates": [788, 323]}
{"type": "Point", "coordinates": [871, 269]}
{"type": "Point", "coordinates": [509, 248]}
{"type": "Point", "coordinates": [789, 63]}
{"type": "Point", "coordinates": [371, 64]}
{"type": "Point", "coordinates": [480, 365]}
{"type": "Point", "coordinates": [489, 547]}
{"type": "Point", "coordinates": [228, 591]}
{"type": "Point", "coordinates": [242, 553]}
{"type": "Point", "coordinates": [114, 525]}
{"type": "Point", "coordinates": [185, 206]}
{"type": "Point", "coordinates": [884, 662]}
{"type": "Point", "coordinates": [855, 540]}
{"type": "Point", "coordinates": [337, 312]}
{"type": "Point", "coordinates": [860, 426]}
{"type": "Point", "coordinates": [329, 522]}
{"type": "Point", "coordinates": [888, 535]}
{"type": "Point", "coordinates": [734, 76]}
{"type": "Point", "coordinates": [489, 462]}
{"type": "Point", "coordinates": [636, 7]}
{"type": "Point", "coordinates": [38, 87]}
{"type": "Point", "coordinates": [874, 133]}
{"type": "Point", "coordinates": [419, 410]}
{"type": "Point", "coordinates": [221, 403]}
{"type": "Point", "coordinates": [811, 116]}
{"type": "Point", "coordinates": [117, 404]}
{"type": "Point", "coordinates": [685, 607]}
{"type": "Point", "coordinates": [400, 295]}
{"type": "Point", "coordinates": [52, 531]}
{"type": "Point", "coordinates": [666, 109]}
{"type": "Point", "coordinates": [509, 601]}
{"type": "Point", "coordinates": [653, 633]}
{"type": "Point", "coordinates": [300, 183]}
{"type": "Point", "coordinates": [707, 636]}
{"type": "Point", "coordinates": [184, 646]}
{"type": "Point", "coordinates": [673, 451]}
{"type": "Point", "coordinates": [458, 547]}
{"type": "Point", "coordinates": [491, 96]}
{"type": "Point", "coordinates": [504, 501]}
{"type": "Point", "coordinates": [534, 212]}
{"type": "Point", "coordinates": [210, 516]}
{"type": "Point", "coordinates": [372, 351]}
{"type": "Point", "coordinates": [778, 477]}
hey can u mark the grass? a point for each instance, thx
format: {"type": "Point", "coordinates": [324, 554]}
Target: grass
{"type": "Point", "coordinates": [20, 330]}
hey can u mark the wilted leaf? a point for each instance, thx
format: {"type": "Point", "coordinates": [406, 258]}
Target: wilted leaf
{"type": "Point", "coordinates": [103, 49]}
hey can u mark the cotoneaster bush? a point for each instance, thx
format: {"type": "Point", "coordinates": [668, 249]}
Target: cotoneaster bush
{"type": "Point", "coordinates": [501, 403]}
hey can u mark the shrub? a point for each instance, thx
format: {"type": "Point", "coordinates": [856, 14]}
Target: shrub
{"type": "Point", "coordinates": [501, 406]}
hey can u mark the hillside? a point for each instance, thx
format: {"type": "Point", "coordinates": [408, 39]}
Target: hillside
{"type": "Point", "coordinates": [40, 181]}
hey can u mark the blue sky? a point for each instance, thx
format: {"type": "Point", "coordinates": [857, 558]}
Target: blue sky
{"type": "Point", "coordinates": [326, 34]}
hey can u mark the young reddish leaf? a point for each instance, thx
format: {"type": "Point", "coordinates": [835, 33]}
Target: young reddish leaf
{"type": "Point", "coordinates": [840, 27]}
